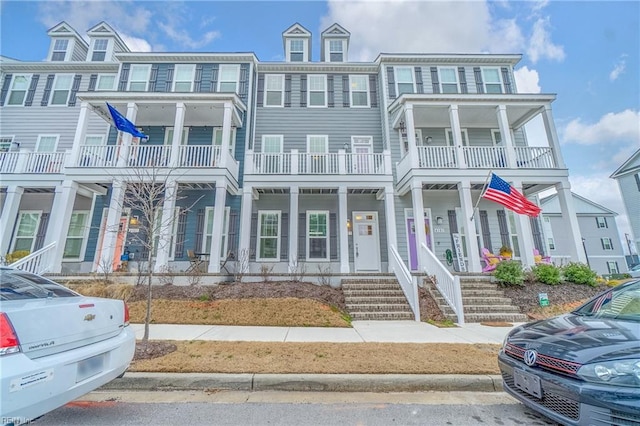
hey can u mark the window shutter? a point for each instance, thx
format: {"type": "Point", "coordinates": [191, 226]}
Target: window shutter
{"type": "Point", "coordinates": [153, 78]}
{"type": "Point", "coordinates": [47, 90]}
{"type": "Point", "coordinates": [637, 176]}
{"type": "Point", "coordinates": [597, 223]}
{"type": "Point", "coordinates": [346, 101]}
{"type": "Point", "coordinates": [287, 90]}
{"type": "Point", "coordinates": [244, 82]}
{"type": "Point", "coordinates": [303, 90]}
{"type": "Point", "coordinates": [93, 79]}
{"type": "Point", "coordinates": [124, 77]}
{"type": "Point", "coordinates": [419, 85]}
{"type": "Point", "coordinates": [199, 230]}
{"type": "Point", "coordinates": [32, 90]}
{"type": "Point", "coordinates": [5, 88]}
{"type": "Point", "coordinates": [462, 77]}
{"type": "Point", "coordinates": [330, 92]}
{"type": "Point", "coordinates": [253, 241]}
{"type": "Point", "coordinates": [435, 83]}
{"type": "Point", "coordinates": [42, 231]}
{"type": "Point", "coordinates": [333, 236]}
{"type": "Point", "coordinates": [506, 79]}
{"type": "Point", "coordinates": [180, 234]}
{"type": "Point", "coordinates": [74, 90]}
{"type": "Point", "coordinates": [214, 78]}
{"type": "Point", "coordinates": [260, 99]}
{"type": "Point", "coordinates": [302, 236]}
{"type": "Point", "coordinates": [486, 233]}
{"type": "Point", "coordinates": [391, 83]}
{"type": "Point", "coordinates": [197, 81]}
{"type": "Point", "coordinates": [232, 236]}
{"type": "Point", "coordinates": [373, 91]}
{"type": "Point", "coordinates": [169, 83]}
{"type": "Point", "coordinates": [453, 229]}
{"type": "Point", "coordinates": [601, 242]}
{"type": "Point", "coordinates": [537, 234]}
{"type": "Point", "coordinates": [478, 75]}
{"type": "Point", "coordinates": [284, 237]}
{"type": "Point", "coordinates": [504, 229]}
{"type": "Point", "coordinates": [606, 224]}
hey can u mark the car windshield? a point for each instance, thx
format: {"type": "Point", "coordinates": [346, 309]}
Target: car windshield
{"type": "Point", "coordinates": [23, 285]}
{"type": "Point", "coordinates": [621, 302]}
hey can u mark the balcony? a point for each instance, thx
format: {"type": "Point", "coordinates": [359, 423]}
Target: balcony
{"type": "Point", "coordinates": [32, 162]}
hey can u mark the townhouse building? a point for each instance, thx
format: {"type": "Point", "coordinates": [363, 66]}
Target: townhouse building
{"type": "Point", "coordinates": [298, 162]}
{"type": "Point", "coordinates": [628, 178]}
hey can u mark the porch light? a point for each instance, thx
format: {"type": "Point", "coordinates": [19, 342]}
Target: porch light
{"type": "Point", "coordinates": [403, 128]}
{"type": "Point", "coordinates": [438, 220]}
{"type": "Point", "coordinates": [133, 221]}
{"type": "Point", "coordinates": [346, 146]}
{"type": "Point", "coordinates": [428, 140]}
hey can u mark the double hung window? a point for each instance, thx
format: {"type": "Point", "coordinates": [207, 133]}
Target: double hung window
{"type": "Point", "coordinates": [229, 76]}
{"type": "Point", "coordinates": [317, 91]}
{"type": "Point", "coordinates": [448, 80]}
{"type": "Point", "coordinates": [404, 80]}
{"type": "Point", "coordinates": [76, 235]}
{"type": "Point", "coordinates": [26, 231]}
{"type": "Point", "coordinates": [217, 139]}
{"type": "Point", "coordinates": [513, 233]}
{"type": "Point", "coordinates": [100, 49]}
{"type": "Point", "coordinates": [296, 50]}
{"type": "Point", "coordinates": [336, 51]}
{"type": "Point", "coordinates": [601, 221]}
{"type": "Point", "coordinates": [274, 90]}
{"type": "Point", "coordinates": [5, 143]}
{"type": "Point", "coordinates": [359, 88]}
{"type": "Point", "coordinates": [59, 50]}
{"type": "Point", "coordinates": [269, 235]}
{"type": "Point", "coordinates": [18, 91]}
{"type": "Point", "coordinates": [492, 80]}
{"type": "Point", "coordinates": [106, 82]}
{"type": "Point", "coordinates": [606, 243]}
{"type": "Point", "coordinates": [184, 76]}
{"type": "Point", "coordinates": [317, 235]}
{"type": "Point", "coordinates": [61, 89]}
{"type": "Point", "coordinates": [139, 78]}
{"type": "Point", "coordinates": [613, 267]}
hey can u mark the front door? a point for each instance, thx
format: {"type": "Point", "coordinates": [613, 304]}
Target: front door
{"type": "Point", "coordinates": [413, 246]}
{"type": "Point", "coordinates": [366, 243]}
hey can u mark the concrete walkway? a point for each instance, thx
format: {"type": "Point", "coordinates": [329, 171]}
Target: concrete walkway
{"type": "Point", "coordinates": [362, 331]}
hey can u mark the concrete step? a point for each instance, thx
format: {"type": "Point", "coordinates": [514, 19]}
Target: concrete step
{"type": "Point", "coordinates": [481, 293]}
{"type": "Point", "coordinates": [372, 293]}
{"type": "Point", "coordinates": [374, 307]}
{"type": "Point", "coordinates": [379, 300]}
{"type": "Point", "coordinates": [493, 317]}
{"type": "Point", "coordinates": [370, 286]}
{"type": "Point", "coordinates": [381, 316]}
{"type": "Point", "coordinates": [474, 300]}
{"type": "Point", "coordinates": [369, 281]}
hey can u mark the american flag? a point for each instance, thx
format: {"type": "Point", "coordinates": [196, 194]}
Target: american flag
{"type": "Point", "coordinates": [601, 301]}
{"type": "Point", "coordinates": [503, 193]}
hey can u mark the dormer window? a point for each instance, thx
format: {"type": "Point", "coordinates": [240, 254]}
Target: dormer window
{"type": "Point", "coordinates": [296, 50]}
{"type": "Point", "coordinates": [335, 51]}
{"type": "Point", "coordinates": [99, 49]}
{"type": "Point", "coordinates": [59, 50]}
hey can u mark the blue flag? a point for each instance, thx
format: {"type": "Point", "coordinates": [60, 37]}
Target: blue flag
{"type": "Point", "coordinates": [124, 125]}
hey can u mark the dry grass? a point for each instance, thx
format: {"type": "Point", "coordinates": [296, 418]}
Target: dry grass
{"type": "Point", "coordinates": [102, 289]}
{"type": "Point", "coordinates": [324, 358]}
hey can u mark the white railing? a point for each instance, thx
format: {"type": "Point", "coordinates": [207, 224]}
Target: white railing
{"type": "Point", "coordinates": [9, 162]}
{"type": "Point", "coordinates": [334, 163]}
{"type": "Point", "coordinates": [447, 284]}
{"type": "Point", "coordinates": [535, 157]}
{"type": "Point", "coordinates": [149, 156]}
{"type": "Point", "coordinates": [406, 280]}
{"type": "Point", "coordinates": [272, 164]}
{"type": "Point", "coordinates": [199, 155]}
{"type": "Point", "coordinates": [318, 164]}
{"type": "Point", "coordinates": [485, 157]}
{"type": "Point", "coordinates": [32, 162]}
{"type": "Point", "coordinates": [364, 164]}
{"type": "Point", "coordinates": [437, 157]}
{"type": "Point", "coordinates": [37, 262]}
{"type": "Point", "coordinates": [93, 156]}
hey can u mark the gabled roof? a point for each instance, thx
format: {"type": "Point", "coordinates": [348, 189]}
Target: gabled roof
{"type": "Point", "coordinates": [551, 205]}
{"type": "Point", "coordinates": [296, 30]}
{"type": "Point", "coordinates": [65, 30]}
{"type": "Point", "coordinates": [336, 30]}
{"type": "Point", "coordinates": [629, 166]}
{"type": "Point", "coordinates": [103, 29]}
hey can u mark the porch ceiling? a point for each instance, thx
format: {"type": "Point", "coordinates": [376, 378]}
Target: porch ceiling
{"type": "Point", "coordinates": [474, 186]}
{"type": "Point", "coordinates": [471, 115]}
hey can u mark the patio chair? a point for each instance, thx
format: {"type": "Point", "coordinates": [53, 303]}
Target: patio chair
{"type": "Point", "coordinates": [195, 261]}
{"type": "Point", "coordinates": [491, 260]}
{"type": "Point", "coordinates": [540, 259]}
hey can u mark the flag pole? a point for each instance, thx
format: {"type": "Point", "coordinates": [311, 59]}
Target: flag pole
{"type": "Point", "coordinates": [481, 192]}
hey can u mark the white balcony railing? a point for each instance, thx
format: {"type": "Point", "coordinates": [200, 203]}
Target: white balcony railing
{"type": "Point", "coordinates": [535, 157]}
{"type": "Point", "coordinates": [199, 156]}
{"type": "Point", "coordinates": [318, 164]}
{"type": "Point", "coordinates": [149, 156]}
{"type": "Point", "coordinates": [100, 156]}
{"type": "Point", "coordinates": [485, 157]}
{"type": "Point", "coordinates": [437, 157]}
{"type": "Point", "coordinates": [32, 162]}
{"type": "Point", "coordinates": [305, 163]}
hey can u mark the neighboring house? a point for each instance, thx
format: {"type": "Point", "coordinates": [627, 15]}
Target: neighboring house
{"type": "Point", "coordinates": [628, 178]}
{"type": "Point", "coordinates": [290, 163]}
{"type": "Point", "coordinates": [601, 240]}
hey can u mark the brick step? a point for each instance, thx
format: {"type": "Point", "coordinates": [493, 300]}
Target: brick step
{"type": "Point", "coordinates": [369, 281]}
{"type": "Point", "coordinates": [374, 307]}
{"type": "Point", "coordinates": [371, 286]}
{"type": "Point", "coordinates": [373, 293]}
{"type": "Point", "coordinates": [477, 286]}
{"type": "Point", "coordinates": [381, 316]}
{"type": "Point", "coordinates": [474, 309]}
{"type": "Point", "coordinates": [401, 300]}
{"type": "Point", "coordinates": [493, 317]}
{"type": "Point", "coordinates": [481, 293]}
{"type": "Point", "coordinates": [476, 300]}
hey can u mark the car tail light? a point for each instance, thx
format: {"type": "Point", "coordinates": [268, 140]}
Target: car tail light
{"type": "Point", "coordinates": [9, 342]}
{"type": "Point", "coordinates": [126, 314]}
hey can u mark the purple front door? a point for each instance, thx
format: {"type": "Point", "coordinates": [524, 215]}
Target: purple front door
{"type": "Point", "coordinates": [413, 252]}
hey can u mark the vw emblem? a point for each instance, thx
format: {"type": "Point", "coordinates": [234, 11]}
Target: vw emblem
{"type": "Point", "coordinates": [530, 357]}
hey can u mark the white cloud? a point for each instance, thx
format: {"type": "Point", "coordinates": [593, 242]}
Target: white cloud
{"type": "Point", "coordinates": [527, 81]}
{"type": "Point", "coordinates": [136, 44]}
{"type": "Point", "coordinates": [540, 44]}
{"type": "Point", "coordinates": [182, 37]}
{"type": "Point", "coordinates": [621, 127]}
{"type": "Point", "coordinates": [175, 21]}
{"type": "Point", "coordinates": [619, 68]}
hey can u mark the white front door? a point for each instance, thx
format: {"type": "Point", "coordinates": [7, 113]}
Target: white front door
{"type": "Point", "coordinates": [366, 244]}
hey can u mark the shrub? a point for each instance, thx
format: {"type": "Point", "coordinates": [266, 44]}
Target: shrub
{"type": "Point", "coordinates": [509, 273]}
{"type": "Point", "coordinates": [579, 273]}
{"type": "Point", "coordinates": [15, 256]}
{"type": "Point", "coordinates": [547, 274]}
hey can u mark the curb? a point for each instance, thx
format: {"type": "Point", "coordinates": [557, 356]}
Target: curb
{"type": "Point", "coordinates": [307, 382]}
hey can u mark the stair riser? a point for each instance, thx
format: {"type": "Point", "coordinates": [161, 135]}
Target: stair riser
{"type": "Point", "coordinates": [481, 293]}
{"type": "Point", "coordinates": [373, 293]}
{"type": "Point", "coordinates": [369, 282]}
{"type": "Point", "coordinates": [492, 318]}
{"type": "Point", "coordinates": [479, 300]}
{"type": "Point", "coordinates": [376, 300]}
{"type": "Point", "coordinates": [378, 308]}
{"type": "Point", "coordinates": [382, 316]}
{"type": "Point", "coordinates": [380, 287]}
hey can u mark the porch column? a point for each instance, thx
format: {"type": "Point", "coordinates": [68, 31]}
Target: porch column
{"type": "Point", "coordinates": [418, 219]}
{"type": "Point", "coordinates": [245, 223]}
{"type": "Point", "coordinates": [342, 230]}
{"type": "Point", "coordinates": [293, 225]}
{"type": "Point", "coordinates": [505, 133]}
{"type": "Point", "coordinates": [125, 148]}
{"type": "Point", "coordinates": [456, 130]}
{"type": "Point", "coordinates": [9, 215]}
{"type": "Point", "coordinates": [523, 228]}
{"type": "Point", "coordinates": [390, 216]}
{"type": "Point", "coordinates": [116, 203]}
{"type": "Point", "coordinates": [80, 135]}
{"type": "Point", "coordinates": [60, 218]}
{"type": "Point", "coordinates": [218, 222]}
{"type": "Point", "coordinates": [166, 227]}
{"type": "Point", "coordinates": [178, 126]}
{"type": "Point", "coordinates": [226, 133]}
{"type": "Point", "coordinates": [568, 212]}
{"type": "Point", "coordinates": [552, 138]}
{"type": "Point", "coordinates": [411, 135]}
{"type": "Point", "coordinates": [466, 204]}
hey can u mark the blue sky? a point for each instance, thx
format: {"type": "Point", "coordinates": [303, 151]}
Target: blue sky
{"type": "Point", "coordinates": [586, 52]}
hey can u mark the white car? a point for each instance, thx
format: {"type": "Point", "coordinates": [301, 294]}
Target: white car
{"type": "Point", "coordinates": [55, 344]}
{"type": "Point", "coordinates": [635, 271]}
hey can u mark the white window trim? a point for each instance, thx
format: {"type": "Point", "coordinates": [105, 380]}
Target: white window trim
{"type": "Point", "coordinates": [455, 73]}
{"type": "Point", "coordinates": [68, 49]}
{"type": "Point", "coordinates": [94, 50]}
{"type": "Point", "coordinates": [169, 141]}
{"type": "Point", "coordinates": [237, 79]}
{"type": "Point", "coordinates": [259, 235]}
{"type": "Point", "coordinates": [15, 233]}
{"type": "Point", "coordinates": [342, 51]}
{"type": "Point", "coordinates": [324, 77]}
{"type": "Point", "coordinates": [102, 139]}
{"type": "Point", "coordinates": [26, 91]}
{"type": "Point", "coordinates": [140, 66]}
{"type": "Point", "coordinates": [601, 223]}
{"type": "Point", "coordinates": [513, 233]}
{"type": "Point", "coordinates": [280, 140]}
{"type": "Point", "coordinates": [351, 91]}
{"type": "Point", "coordinates": [53, 90]}
{"type": "Point", "coordinates": [101, 76]}
{"type": "Point", "coordinates": [607, 243]}
{"type": "Point", "coordinates": [327, 237]}
{"type": "Point", "coordinates": [191, 80]}
{"type": "Point", "coordinates": [7, 140]}
{"type": "Point", "coordinates": [359, 140]}
{"type": "Point", "coordinates": [413, 80]}
{"type": "Point", "coordinates": [85, 234]}
{"type": "Point", "coordinates": [265, 103]}
{"type": "Point", "coordinates": [305, 56]}
{"type": "Point", "coordinates": [484, 80]}
{"type": "Point", "coordinates": [326, 143]}
{"type": "Point", "coordinates": [494, 139]}
{"type": "Point", "coordinates": [615, 265]}
{"type": "Point", "coordinates": [40, 137]}
{"type": "Point", "coordinates": [232, 142]}
{"type": "Point", "coordinates": [465, 137]}
{"type": "Point", "coordinates": [225, 231]}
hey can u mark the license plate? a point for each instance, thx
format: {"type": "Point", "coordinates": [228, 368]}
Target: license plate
{"type": "Point", "coordinates": [527, 382]}
{"type": "Point", "coordinates": [90, 367]}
